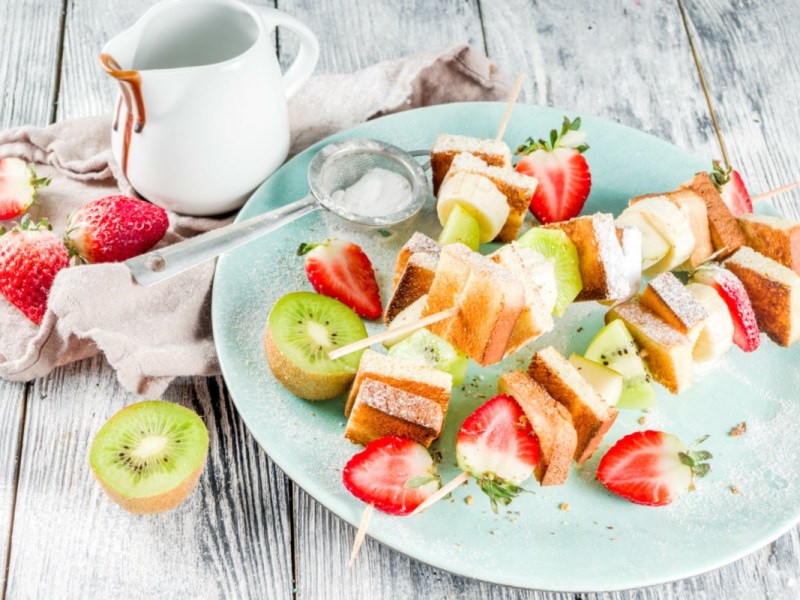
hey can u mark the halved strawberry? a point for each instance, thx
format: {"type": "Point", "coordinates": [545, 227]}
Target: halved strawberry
{"type": "Point", "coordinates": [30, 258]}
{"type": "Point", "coordinates": [392, 473]}
{"type": "Point", "coordinates": [731, 187]}
{"type": "Point", "coordinates": [342, 271]}
{"type": "Point", "coordinates": [18, 186]}
{"type": "Point", "coordinates": [562, 171]}
{"type": "Point", "coordinates": [746, 334]}
{"type": "Point", "coordinates": [497, 446]}
{"type": "Point", "coordinates": [652, 467]}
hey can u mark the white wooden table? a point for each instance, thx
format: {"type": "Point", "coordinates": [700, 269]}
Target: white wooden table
{"type": "Point", "coordinates": [248, 531]}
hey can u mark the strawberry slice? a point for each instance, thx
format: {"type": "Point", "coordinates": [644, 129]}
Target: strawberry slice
{"type": "Point", "coordinates": [746, 334]}
{"type": "Point", "coordinates": [731, 187]}
{"type": "Point", "coordinates": [342, 271]}
{"type": "Point", "coordinates": [497, 446]}
{"type": "Point", "coordinates": [652, 467]}
{"type": "Point", "coordinates": [18, 187]}
{"type": "Point", "coordinates": [562, 171]}
{"type": "Point", "coordinates": [30, 258]}
{"type": "Point", "coordinates": [392, 473]}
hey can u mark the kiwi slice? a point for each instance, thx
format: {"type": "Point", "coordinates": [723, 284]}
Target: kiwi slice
{"type": "Point", "coordinates": [556, 245]}
{"type": "Point", "coordinates": [613, 347]}
{"type": "Point", "coordinates": [428, 349]}
{"type": "Point", "coordinates": [149, 456]}
{"type": "Point", "coordinates": [461, 227]}
{"type": "Point", "coordinates": [302, 329]}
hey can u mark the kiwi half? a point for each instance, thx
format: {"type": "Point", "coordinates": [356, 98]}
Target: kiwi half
{"type": "Point", "coordinates": [302, 329]}
{"type": "Point", "coordinates": [149, 456]}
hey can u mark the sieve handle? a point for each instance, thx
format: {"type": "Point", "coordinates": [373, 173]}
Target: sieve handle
{"type": "Point", "coordinates": [158, 265]}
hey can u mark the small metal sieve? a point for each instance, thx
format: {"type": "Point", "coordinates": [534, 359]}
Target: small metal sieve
{"type": "Point", "coordinates": [336, 167]}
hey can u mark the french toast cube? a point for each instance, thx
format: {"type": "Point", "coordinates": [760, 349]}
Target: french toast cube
{"type": "Point", "coordinates": [489, 300]}
{"type": "Point", "coordinates": [665, 350]}
{"type": "Point", "coordinates": [419, 243]}
{"type": "Point", "coordinates": [774, 291]}
{"type": "Point", "coordinates": [591, 416]}
{"type": "Point", "coordinates": [774, 237]}
{"type": "Point", "coordinates": [536, 273]}
{"type": "Point", "coordinates": [516, 187]}
{"type": "Point", "coordinates": [695, 209]}
{"type": "Point", "coordinates": [601, 262]}
{"type": "Point", "coordinates": [726, 235]}
{"type": "Point", "coordinates": [413, 378]}
{"type": "Point", "coordinates": [414, 283]}
{"type": "Point", "coordinates": [446, 147]}
{"type": "Point", "coordinates": [669, 299]}
{"type": "Point", "coordinates": [550, 421]}
{"type": "Point", "coordinates": [380, 409]}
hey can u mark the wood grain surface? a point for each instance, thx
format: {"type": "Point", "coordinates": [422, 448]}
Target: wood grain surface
{"type": "Point", "coordinates": [247, 531]}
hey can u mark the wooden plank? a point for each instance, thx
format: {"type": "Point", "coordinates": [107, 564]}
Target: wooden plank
{"type": "Point", "coordinates": [29, 49]}
{"type": "Point", "coordinates": [29, 36]}
{"type": "Point", "coordinates": [231, 538]}
{"type": "Point", "coordinates": [627, 61]}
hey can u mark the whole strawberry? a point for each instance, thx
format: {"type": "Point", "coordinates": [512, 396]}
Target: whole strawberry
{"type": "Point", "coordinates": [343, 271]}
{"type": "Point", "coordinates": [562, 171]}
{"type": "Point", "coordinates": [114, 229]}
{"type": "Point", "coordinates": [30, 258]}
{"type": "Point", "coordinates": [18, 187]}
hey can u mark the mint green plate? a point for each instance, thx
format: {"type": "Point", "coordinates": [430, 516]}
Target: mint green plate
{"type": "Point", "coordinates": [601, 542]}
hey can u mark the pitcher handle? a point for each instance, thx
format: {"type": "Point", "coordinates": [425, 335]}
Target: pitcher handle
{"type": "Point", "coordinates": [305, 62]}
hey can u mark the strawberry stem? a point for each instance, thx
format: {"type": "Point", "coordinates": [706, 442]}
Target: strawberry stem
{"type": "Point", "coordinates": [305, 248]}
{"type": "Point", "coordinates": [719, 175]}
{"type": "Point", "coordinates": [556, 139]}
{"type": "Point", "coordinates": [499, 490]}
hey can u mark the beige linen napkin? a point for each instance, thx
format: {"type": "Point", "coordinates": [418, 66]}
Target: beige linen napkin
{"type": "Point", "coordinates": [152, 335]}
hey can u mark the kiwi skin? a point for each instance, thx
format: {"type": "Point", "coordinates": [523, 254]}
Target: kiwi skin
{"type": "Point", "coordinates": [157, 503]}
{"type": "Point", "coordinates": [309, 386]}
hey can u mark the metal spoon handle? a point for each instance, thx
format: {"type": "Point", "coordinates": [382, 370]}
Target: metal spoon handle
{"type": "Point", "coordinates": [158, 265]}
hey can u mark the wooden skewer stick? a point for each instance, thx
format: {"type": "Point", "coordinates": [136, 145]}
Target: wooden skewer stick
{"type": "Point", "coordinates": [393, 333]}
{"type": "Point", "coordinates": [775, 192]}
{"type": "Point", "coordinates": [441, 493]}
{"type": "Point", "coordinates": [361, 533]}
{"type": "Point", "coordinates": [512, 100]}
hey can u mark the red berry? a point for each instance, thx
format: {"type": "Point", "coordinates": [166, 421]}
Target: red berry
{"type": "Point", "coordinates": [393, 473]}
{"type": "Point", "coordinates": [114, 229]}
{"type": "Point", "coordinates": [30, 258]}
{"type": "Point", "coordinates": [18, 187]}
{"type": "Point", "coordinates": [342, 271]}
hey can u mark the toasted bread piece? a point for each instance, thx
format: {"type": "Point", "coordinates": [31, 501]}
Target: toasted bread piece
{"type": "Point", "coordinates": [550, 421]}
{"type": "Point", "coordinates": [667, 297]}
{"type": "Point", "coordinates": [414, 283]}
{"type": "Point", "coordinates": [380, 409]}
{"type": "Point", "coordinates": [601, 262]}
{"type": "Point", "coordinates": [419, 243]}
{"type": "Point", "coordinates": [493, 152]}
{"type": "Point", "coordinates": [774, 291]}
{"type": "Point", "coordinates": [695, 209]}
{"type": "Point", "coordinates": [666, 351]}
{"type": "Point", "coordinates": [489, 301]}
{"type": "Point", "coordinates": [774, 237]}
{"type": "Point", "coordinates": [539, 285]}
{"type": "Point", "coordinates": [725, 231]}
{"type": "Point", "coordinates": [591, 416]}
{"type": "Point", "coordinates": [416, 379]}
{"type": "Point", "coordinates": [516, 187]}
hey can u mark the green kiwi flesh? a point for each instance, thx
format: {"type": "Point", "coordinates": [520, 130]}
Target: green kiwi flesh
{"type": "Point", "coordinates": [307, 326]}
{"type": "Point", "coordinates": [148, 450]}
{"type": "Point", "coordinates": [556, 245]}
{"type": "Point", "coordinates": [428, 349]}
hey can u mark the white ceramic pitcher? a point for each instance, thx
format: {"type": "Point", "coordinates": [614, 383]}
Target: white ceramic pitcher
{"type": "Point", "coordinates": [201, 118]}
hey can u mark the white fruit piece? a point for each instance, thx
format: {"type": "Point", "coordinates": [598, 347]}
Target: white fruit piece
{"type": "Point", "coordinates": [654, 246]}
{"type": "Point", "coordinates": [674, 226]}
{"type": "Point", "coordinates": [410, 314]}
{"type": "Point", "coordinates": [632, 247]}
{"type": "Point", "coordinates": [478, 196]}
{"type": "Point", "coordinates": [716, 334]}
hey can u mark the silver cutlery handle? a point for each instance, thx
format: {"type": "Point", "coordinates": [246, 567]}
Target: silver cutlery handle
{"type": "Point", "coordinates": [158, 265]}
